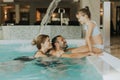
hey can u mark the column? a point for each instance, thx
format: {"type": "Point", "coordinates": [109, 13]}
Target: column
{"type": "Point", "coordinates": [106, 23]}
{"type": "Point", "coordinates": [0, 15]}
{"type": "Point", "coordinates": [32, 14]}
{"type": "Point", "coordinates": [17, 13]}
{"type": "Point", "coordinates": [73, 12]}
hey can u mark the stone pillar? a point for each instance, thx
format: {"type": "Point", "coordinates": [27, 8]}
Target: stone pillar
{"type": "Point", "coordinates": [17, 13]}
{"type": "Point", "coordinates": [0, 15]}
{"type": "Point", "coordinates": [74, 10]}
{"type": "Point", "coordinates": [106, 23]}
{"type": "Point", "coordinates": [32, 14]}
{"type": "Point", "coordinates": [94, 6]}
{"type": "Point", "coordinates": [113, 17]}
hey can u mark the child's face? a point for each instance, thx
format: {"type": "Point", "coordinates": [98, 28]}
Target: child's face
{"type": "Point", "coordinates": [81, 17]}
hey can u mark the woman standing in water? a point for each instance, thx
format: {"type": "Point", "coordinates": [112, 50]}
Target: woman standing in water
{"type": "Point", "coordinates": [93, 37]}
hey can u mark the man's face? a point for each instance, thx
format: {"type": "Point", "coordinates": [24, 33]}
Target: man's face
{"type": "Point", "coordinates": [62, 42]}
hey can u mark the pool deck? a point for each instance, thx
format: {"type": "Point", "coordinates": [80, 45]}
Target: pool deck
{"type": "Point", "coordinates": [107, 65]}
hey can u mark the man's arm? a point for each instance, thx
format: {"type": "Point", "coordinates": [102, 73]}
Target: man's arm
{"type": "Point", "coordinates": [75, 55]}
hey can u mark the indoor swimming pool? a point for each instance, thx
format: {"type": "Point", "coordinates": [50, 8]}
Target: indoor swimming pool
{"type": "Point", "coordinates": [56, 68]}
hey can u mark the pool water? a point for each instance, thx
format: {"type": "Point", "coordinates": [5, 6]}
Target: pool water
{"type": "Point", "coordinates": [58, 69]}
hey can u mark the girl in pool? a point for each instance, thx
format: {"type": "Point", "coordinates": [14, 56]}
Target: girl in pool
{"type": "Point", "coordinates": [93, 37]}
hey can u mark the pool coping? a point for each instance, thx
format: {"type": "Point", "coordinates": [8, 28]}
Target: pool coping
{"type": "Point", "coordinates": [107, 65]}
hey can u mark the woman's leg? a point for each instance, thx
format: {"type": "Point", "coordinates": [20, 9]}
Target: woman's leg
{"type": "Point", "coordinates": [97, 50]}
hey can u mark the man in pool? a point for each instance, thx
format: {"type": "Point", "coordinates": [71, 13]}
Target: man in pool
{"type": "Point", "coordinates": [60, 49]}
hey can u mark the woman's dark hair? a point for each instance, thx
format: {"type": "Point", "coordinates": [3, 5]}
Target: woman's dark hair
{"type": "Point", "coordinates": [85, 11]}
{"type": "Point", "coordinates": [40, 39]}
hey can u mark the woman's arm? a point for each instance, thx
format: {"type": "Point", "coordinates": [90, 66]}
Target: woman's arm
{"type": "Point", "coordinates": [86, 44]}
{"type": "Point", "coordinates": [89, 36]}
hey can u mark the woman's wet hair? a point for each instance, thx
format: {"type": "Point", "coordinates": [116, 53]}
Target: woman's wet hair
{"type": "Point", "coordinates": [40, 39]}
{"type": "Point", "coordinates": [85, 11]}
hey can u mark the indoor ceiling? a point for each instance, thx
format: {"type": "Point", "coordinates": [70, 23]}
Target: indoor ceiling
{"type": "Point", "coordinates": [17, 1]}
{"type": "Point", "coordinates": [48, 0]}
{"type": "Point", "coordinates": [34, 0]}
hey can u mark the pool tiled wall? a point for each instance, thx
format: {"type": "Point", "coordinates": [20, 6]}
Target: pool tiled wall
{"type": "Point", "coordinates": [29, 32]}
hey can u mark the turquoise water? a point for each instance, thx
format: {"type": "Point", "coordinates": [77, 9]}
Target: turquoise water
{"type": "Point", "coordinates": [59, 69]}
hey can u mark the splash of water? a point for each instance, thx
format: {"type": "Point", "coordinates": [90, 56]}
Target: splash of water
{"type": "Point", "coordinates": [47, 16]}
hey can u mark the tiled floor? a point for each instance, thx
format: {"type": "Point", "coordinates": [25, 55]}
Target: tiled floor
{"type": "Point", "coordinates": [115, 46]}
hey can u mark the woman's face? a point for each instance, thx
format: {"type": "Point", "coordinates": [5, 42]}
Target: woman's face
{"type": "Point", "coordinates": [47, 43]}
{"type": "Point", "coordinates": [81, 18]}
